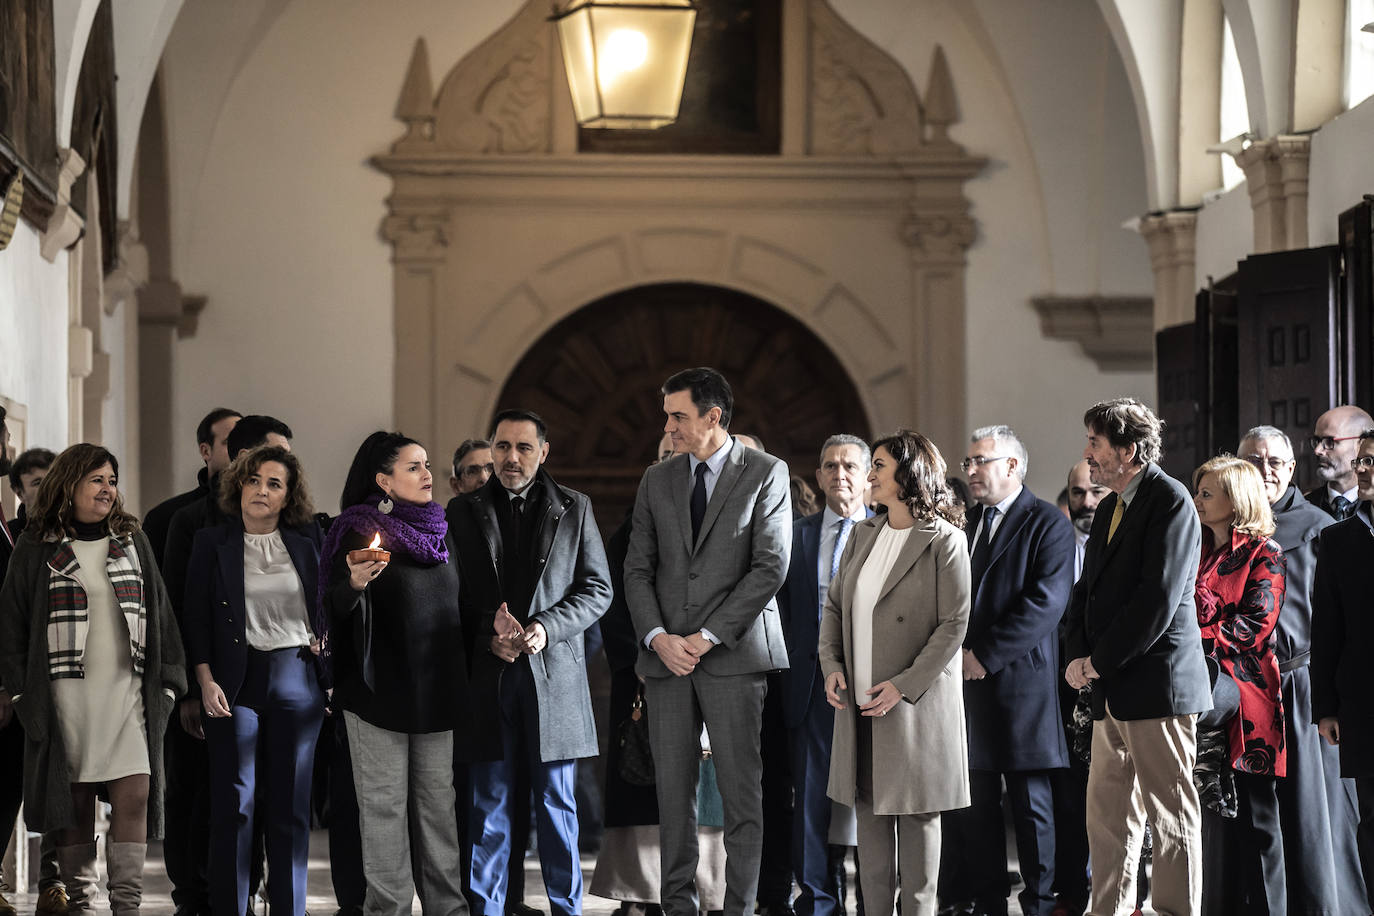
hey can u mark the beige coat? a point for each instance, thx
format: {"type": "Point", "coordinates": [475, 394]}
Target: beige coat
{"type": "Point", "coordinates": [920, 749]}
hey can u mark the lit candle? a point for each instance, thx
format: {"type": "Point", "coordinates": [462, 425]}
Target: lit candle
{"type": "Point", "coordinates": [372, 553]}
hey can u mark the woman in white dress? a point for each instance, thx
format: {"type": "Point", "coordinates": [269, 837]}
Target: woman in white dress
{"type": "Point", "coordinates": [894, 620]}
{"type": "Point", "coordinates": [93, 659]}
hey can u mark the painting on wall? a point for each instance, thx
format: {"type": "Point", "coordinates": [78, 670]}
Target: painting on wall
{"type": "Point", "coordinates": [731, 102]}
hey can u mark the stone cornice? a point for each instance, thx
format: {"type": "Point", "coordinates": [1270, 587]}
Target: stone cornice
{"type": "Point", "coordinates": [1117, 332]}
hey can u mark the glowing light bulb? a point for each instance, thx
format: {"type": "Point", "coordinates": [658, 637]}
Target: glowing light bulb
{"type": "Point", "coordinates": [625, 50]}
{"type": "Point", "coordinates": [376, 542]}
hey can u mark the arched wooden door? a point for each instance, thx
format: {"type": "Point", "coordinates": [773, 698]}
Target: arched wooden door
{"type": "Point", "coordinates": [595, 377]}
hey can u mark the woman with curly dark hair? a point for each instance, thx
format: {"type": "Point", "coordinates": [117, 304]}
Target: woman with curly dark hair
{"type": "Point", "coordinates": [894, 621]}
{"type": "Point", "coordinates": [249, 629]}
{"type": "Point", "coordinates": [1240, 587]}
{"type": "Point", "coordinates": [90, 652]}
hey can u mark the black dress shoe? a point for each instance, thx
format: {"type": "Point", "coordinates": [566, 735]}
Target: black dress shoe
{"type": "Point", "coordinates": [521, 908]}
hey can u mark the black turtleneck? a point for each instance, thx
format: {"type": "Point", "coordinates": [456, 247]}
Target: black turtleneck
{"type": "Point", "coordinates": [92, 531]}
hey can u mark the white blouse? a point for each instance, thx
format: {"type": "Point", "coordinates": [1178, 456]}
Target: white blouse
{"type": "Point", "coordinates": [867, 588]}
{"type": "Point", "coordinates": [278, 617]}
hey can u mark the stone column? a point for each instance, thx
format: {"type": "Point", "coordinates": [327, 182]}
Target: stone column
{"type": "Point", "coordinates": [1276, 175]}
{"type": "Point", "coordinates": [419, 240]}
{"type": "Point", "coordinates": [1172, 239]}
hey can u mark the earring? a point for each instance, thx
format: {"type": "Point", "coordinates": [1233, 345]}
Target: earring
{"type": "Point", "coordinates": [386, 505]}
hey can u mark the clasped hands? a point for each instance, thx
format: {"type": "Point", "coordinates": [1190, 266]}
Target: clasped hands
{"type": "Point", "coordinates": [512, 640]}
{"type": "Point", "coordinates": [1080, 672]}
{"type": "Point", "coordinates": [681, 653]}
{"type": "Point", "coordinates": [885, 695]}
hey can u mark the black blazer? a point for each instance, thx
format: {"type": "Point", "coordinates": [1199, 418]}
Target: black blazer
{"type": "Point", "coordinates": [1013, 631]}
{"type": "Point", "coordinates": [1133, 609]}
{"type": "Point", "coordinates": [1343, 639]}
{"type": "Point", "coordinates": [215, 615]}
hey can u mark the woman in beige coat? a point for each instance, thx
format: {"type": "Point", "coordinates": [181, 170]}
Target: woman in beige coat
{"type": "Point", "coordinates": [895, 616]}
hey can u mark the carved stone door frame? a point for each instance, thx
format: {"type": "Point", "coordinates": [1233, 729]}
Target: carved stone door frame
{"type": "Point", "coordinates": [500, 229]}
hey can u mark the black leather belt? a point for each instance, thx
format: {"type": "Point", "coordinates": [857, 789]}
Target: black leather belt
{"type": "Point", "coordinates": [1295, 662]}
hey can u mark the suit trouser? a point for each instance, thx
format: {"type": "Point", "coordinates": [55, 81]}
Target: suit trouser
{"type": "Point", "coordinates": [1364, 834]}
{"type": "Point", "coordinates": [1242, 857]}
{"type": "Point", "coordinates": [404, 784]}
{"type": "Point", "coordinates": [345, 840]}
{"type": "Point", "coordinates": [186, 840]}
{"type": "Point", "coordinates": [269, 740]}
{"type": "Point", "coordinates": [731, 707]}
{"type": "Point", "coordinates": [1143, 768]}
{"type": "Point", "coordinates": [811, 860]}
{"type": "Point", "coordinates": [12, 798]}
{"type": "Point", "coordinates": [494, 791]}
{"type": "Point", "coordinates": [898, 850]}
{"type": "Point", "coordinates": [775, 872]}
{"type": "Point", "coordinates": [980, 832]}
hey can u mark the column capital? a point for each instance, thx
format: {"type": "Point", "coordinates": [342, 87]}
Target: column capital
{"type": "Point", "coordinates": [417, 235]}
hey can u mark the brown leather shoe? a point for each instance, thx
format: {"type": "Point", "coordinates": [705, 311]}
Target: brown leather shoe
{"type": "Point", "coordinates": [52, 901]}
{"type": "Point", "coordinates": [6, 908]}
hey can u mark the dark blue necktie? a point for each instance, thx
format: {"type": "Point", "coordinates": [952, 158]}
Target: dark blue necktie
{"type": "Point", "coordinates": [1342, 508]}
{"type": "Point", "coordinates": [983, 546]}
{"type": "Point", "coordinates": [699, 500]}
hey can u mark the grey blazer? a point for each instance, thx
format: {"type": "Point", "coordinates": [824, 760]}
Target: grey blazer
{"type": "Point", "coordinates": [727, 583]}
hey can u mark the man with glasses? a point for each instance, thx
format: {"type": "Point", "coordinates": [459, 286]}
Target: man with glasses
{"type": "Point", "coordinates": [1342, 645]}
{"type": "Point", "coordinates": [1317, 814]}
{"type": "Point", "coordinates": [1022, 571]}
{"type": "Point", "coordinates": [472, 466]}
{"type": "Point", "coordinates": [1333, 443]}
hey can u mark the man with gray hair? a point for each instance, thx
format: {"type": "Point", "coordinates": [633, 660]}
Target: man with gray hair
{"type": "Point", "coordinates": [1317, 814]}
{"type": "Point", "coordinates": [817, 542]}
{"type": "Point", "coordinates": [1022, 571]}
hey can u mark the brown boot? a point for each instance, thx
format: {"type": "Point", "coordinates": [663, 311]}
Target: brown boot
{"type": "Point", "coordinates": [6, 908]}
{"type": "Point", "coordinates": [124, 865]}
{"type": "Point", "coordinates": [77, 864]}
{"type": "Point", "coordinates": [52, 901]}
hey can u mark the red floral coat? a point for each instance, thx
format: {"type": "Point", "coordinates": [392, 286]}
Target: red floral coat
{"type": "Point", "coordinates": [1239, 595]}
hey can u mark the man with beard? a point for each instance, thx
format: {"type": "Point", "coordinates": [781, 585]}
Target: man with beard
{"type": "Point", "coordinates": [1133, 634]}
{"type": "Point", "coordinates": [1333, 442]}
{"type": "Point", "coordinates": [1317, 810]}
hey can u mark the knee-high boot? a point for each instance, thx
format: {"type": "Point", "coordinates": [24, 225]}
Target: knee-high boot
{"type": "Point", "coordinates": [124, 862]}
{"type": "Point", "coordinates": [77, 864]}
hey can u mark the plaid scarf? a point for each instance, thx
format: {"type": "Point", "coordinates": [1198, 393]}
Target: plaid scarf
{"type": "Point", "coordinates": [67, 617]}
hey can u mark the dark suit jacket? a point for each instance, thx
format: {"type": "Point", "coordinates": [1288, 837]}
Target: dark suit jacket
{"type": "Point", "coordinates": [1321, 498]}
{"type": "Point", "coordinates": [1343, 640]}
{"type": "Point", "coordinates": [215, 613]}
{"type": "Point", "coordinates": [1297, 525]}
{"type": "Point", "coordinates": [1013, 630]}
{"type": "Point", "coordinates": [1133, 610]}
{"type": "Point", "coordinates": [571, 590]}
{"type": "Point", "coordinates": [800, 612]}
{"type": "Point", "coordinates": [158, 520]}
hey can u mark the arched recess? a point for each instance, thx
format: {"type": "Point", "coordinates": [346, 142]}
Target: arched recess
{"type": "Point", "coordinates": [595, 377]}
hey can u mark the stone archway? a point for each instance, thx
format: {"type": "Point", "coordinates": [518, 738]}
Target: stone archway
{"type": "Point", "coordinates": [595, 378]}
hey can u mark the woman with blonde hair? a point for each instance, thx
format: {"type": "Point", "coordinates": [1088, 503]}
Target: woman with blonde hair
{"type": "Point", "coordinates": [1240, 587]}
{"type": "Point", "coordinates": [89, 650]}
{"type": "Point", "coordinates": [894, 621]}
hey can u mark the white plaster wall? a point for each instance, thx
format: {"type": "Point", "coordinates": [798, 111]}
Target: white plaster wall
{"type": "Point", "coordinates": [281, 221]}
{"type": "Point", "coordinates": [1341, 170]}
{"type": "Point", "coordinates": [1065, 171]}
{"type": "Point", "coordinates": [1225, 234]}
{"type": "Point", "coordinates": [33, 336]}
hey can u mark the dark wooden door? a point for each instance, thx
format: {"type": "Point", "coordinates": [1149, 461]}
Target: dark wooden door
{"type": "Point", "coordinates": [1289, 342]}
{"type": "Point", "coordinates": [596, 378]}
{"type": "Point", "coordinates": [1357, 298]}
{"type": "Point", "coordinates": [1176, 378]}
{"type": "Point", "coordinates": [1217, 360]}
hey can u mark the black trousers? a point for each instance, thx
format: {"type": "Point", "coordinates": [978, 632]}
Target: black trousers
{"type": "Point", "coordinates": [345, 836]}
{"type": "Point", "coordinates": [1364, 836]}
{"type": "Point", "coordinates": [186, 833]}
{"type": "Point", "coordinates": [976, 840]}
{"type": "Point", "coordinates": [775, 867]}
{"type": "Point", "coordinates": [1242, 857]}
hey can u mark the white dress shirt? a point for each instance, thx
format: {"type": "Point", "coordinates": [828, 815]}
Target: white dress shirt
{"type": "Point", "coordinates": [830, 529]}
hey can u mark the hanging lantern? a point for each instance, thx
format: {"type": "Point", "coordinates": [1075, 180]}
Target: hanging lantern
{"type": "Point", "coordinates": [626, 59]}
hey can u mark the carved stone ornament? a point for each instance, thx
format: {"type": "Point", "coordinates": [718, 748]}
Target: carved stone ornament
{"type": "Point", "coordinates": [130, 273]}
{"type": "Point", "coordinates": [1117, 332]}
{"type": "Point", "coordinates": [65, 224]}
{"type": "Point", "coordinates": [939, 236]}
{"type": "Point", "coordinates": [497, 99]}
{"type": "Point", "coordinates": [417, 235]}
{"type": "Point", "coordinates": [862, 101]}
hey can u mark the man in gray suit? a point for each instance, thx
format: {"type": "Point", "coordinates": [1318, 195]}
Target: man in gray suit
{"type": "Point", "coordinates": [712, 535]}
{"type": "Point", "coordinates": [534, 579]}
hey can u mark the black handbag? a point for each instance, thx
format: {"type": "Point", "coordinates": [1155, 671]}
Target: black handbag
{"type": "Point", "coordinates": [636, 757]}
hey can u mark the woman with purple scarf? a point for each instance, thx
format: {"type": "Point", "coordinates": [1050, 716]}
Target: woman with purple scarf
{"type": "Point", "coordinates": [400, 674]}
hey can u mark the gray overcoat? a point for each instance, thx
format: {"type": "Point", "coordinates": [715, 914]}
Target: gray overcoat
{"type": "Point", "coordinates": [24, 672]}
{"type": "Point", "coordinates": [920, 749]}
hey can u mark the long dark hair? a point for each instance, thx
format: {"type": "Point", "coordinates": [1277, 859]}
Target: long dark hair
{"type": "Point", "coordinates": [377, 455]}
{"type": "Point", "coordinates": [920, 475]}
{"type": "Point", "coordinates": [52, 514]}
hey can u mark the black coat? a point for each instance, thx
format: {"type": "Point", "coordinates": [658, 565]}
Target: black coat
{"type": "Point", "coordinates": [1343, 640]}
{"type": "Point", "coordinates": [1297, 525]}
{"type": "Point", "coordinates": [1013, 713]}
{"type": "Point", "coordinates": [1133, 610]}
{"type": "Point", "coordinates": [157, 522]}
{"type": "Point", "coordinates": [215, 615]}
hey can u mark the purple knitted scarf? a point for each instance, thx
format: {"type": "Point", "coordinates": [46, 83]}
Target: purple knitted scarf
{"type": "Point", "coordinates": [415, 530]}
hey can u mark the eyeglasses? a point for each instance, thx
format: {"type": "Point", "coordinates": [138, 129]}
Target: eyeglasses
{"type": "Point", "coordinates": [1327, 442]}
{"type": "Point", "coordinates": [1274, 463]}
{"type": "Point", "coordinates": [1362, 463]}
{"type": "Point", "coordinates": [969, 464]}
{"type": "Point", "coordinates": [477, 470]}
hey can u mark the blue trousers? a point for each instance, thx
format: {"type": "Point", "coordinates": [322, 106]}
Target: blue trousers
{"type": "Point", "coordinates": [810, 745]}
{"type": "Point", "coordinates": [275, 724]}
{"type": "Point", "coordinates": [494, 788]}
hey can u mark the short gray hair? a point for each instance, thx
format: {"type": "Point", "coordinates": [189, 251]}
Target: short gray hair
{"type": "Point", "coordinates": [1267, 432]}
{"type": "Point", "coordinates": [847, 439]}
{"type": "Point", "coordinates": [1005, 435]}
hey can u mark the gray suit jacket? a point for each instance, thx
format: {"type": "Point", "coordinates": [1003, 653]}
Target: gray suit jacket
{"type": "Point", "coordinates": [727, 583]}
